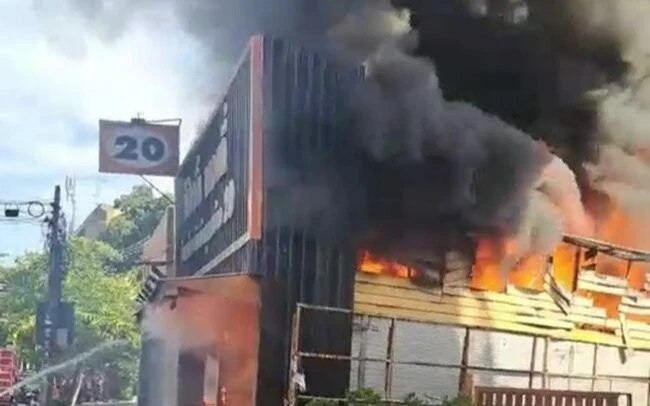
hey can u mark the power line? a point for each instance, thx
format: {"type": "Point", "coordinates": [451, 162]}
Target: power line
{"type": "Point", "coordinates": [20, 221]}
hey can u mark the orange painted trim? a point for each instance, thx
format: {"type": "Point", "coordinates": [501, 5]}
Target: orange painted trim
{"type": "Point", "coordinates": [255, 192]}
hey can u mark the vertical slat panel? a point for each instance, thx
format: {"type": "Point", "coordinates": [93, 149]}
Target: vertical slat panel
{"type": "Point", "coordinates": [234, 113]}
{"type": "Point", "coordinates": [297, 264]}
{"type": "Point", "coordinates": [490, 398]}
{"type": "Point", "coordinates": [612, 400]}
{"type": "Point", "coordinates": [508, 398]}
{"type": "Point", "coordinates": [500, 396]}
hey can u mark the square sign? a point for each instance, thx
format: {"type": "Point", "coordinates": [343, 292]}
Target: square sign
{"type": "Point", "coordinates": [138, 148]}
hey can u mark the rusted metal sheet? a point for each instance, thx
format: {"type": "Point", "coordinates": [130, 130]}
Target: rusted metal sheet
{"type": "Point", "coordinates": [501, 396]}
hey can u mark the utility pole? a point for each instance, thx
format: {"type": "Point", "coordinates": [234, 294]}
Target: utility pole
{"type": "Point", "coordinates": [54, 285]}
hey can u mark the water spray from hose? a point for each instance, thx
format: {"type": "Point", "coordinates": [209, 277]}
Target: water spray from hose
{"type": "Point", "coordinates": [66, 364]}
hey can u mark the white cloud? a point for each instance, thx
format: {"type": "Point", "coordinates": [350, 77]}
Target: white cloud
{"type": "Point", "coordinates": [57, 80]}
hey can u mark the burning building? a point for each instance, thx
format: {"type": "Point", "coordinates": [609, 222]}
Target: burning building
{"type": "Point", "coordinates": [345, 221]}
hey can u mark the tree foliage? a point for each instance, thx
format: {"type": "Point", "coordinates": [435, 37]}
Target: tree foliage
{"type": "Point", "coordinates": [141, 212]}
{"type": "Point", "coordinates": [25, 287]}
{"type": "Point", "coordinates": [102, 301]}
{"type": "Point", "coordinates": [102, 283]}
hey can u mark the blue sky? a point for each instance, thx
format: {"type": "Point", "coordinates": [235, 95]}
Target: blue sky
{"type": "Point", "coordinates": [57, 78]}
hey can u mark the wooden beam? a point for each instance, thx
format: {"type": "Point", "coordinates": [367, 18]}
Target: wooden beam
{"type": "Point", "coordinates": [487, 312]}
{"type": "Point", "coordinates": [624, 332]}
{"type": "Point", "coordinates": [541, 296]}
{"type": "Point", "coordinates": [400, 287]}
{"type": "Point", "coordinates": [516, 311]}
{"type": "Point", "coordinates": [637, 304]}
{"type": "Point", "coordinates": [580, 335]}
{"type": "Point", "coordinates": [636, 301]}
{"type": "Point", "coordinates": [384, 294]}
{"type": "Point", "coordinates": [576, 268]}
{"type": "Point", "coordinates": [443, 318]}
{"type": "Point", "coordinates": [594, 287]}
{"type": "Point", "coordinates": [562, 298]}
{"type": "Point", "coordinates": [601, 279]}
{"type": "Point", "coordinates": [640, 311]}
{"type": "Point", "coordinates": [608, 248]}
{"type": "Point", "coordinates": [630, 334]}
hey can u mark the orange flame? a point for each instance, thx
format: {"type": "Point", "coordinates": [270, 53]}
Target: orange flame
{"type": "Point", "coordinates": [564, 268]}
{"type": "Point", "coordinates": [620, 228]}
{"type": "Point", "coordinates": [487, 273]}
{"type": "Point", "coordinates": [370, 263]}
{"type": "Point", "coordinates": [529, 273]}
{"type": "Point", "coordinates": [499, 262]}
{"type": "Point", "coordinates": [495, 266]}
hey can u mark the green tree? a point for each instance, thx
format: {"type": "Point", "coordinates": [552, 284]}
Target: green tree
{"type": "Point", "coordinates": [25, 287]}
{"type": "Point", "coordinates": [101, 282]}
{"type": "Point", "coordinates": [141, 212]}
{"type": "Point", "coordinates": [104, 309]}
{"type": "Point", "coordinates": [103, 304]}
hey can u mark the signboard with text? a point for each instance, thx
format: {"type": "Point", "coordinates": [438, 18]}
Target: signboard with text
{"type": "Point", "coordinates": [138, 147]}
{"type": "Point", "coordinates": [218, 186]}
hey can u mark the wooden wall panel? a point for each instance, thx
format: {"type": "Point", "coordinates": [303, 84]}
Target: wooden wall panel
{"type": "Point", "coordinates": [534, 314]}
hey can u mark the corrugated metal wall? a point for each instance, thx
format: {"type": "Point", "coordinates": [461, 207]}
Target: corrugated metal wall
{"type": "Point", "coordinates": [493, 359]}
{"type": "Point", "coordinates": [305, 95]}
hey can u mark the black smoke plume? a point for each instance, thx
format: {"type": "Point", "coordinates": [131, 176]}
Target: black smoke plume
{"type": "Point", "coordinates": [522, 69]}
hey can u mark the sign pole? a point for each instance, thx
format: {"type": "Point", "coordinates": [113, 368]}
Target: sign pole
{"type": "Point", "coordinates": [163, 194]}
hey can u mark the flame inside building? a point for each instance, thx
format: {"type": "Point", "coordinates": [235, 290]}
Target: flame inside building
{"type": "Point", "coordinates": [588, 182]}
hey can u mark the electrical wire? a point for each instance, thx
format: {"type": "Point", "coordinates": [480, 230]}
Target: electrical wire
{"type": "Point", "coordinates": [20, 221]}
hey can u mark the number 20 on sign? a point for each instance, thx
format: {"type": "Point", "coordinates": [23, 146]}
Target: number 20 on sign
{"type": "Point", "coordinates": [138, 148]}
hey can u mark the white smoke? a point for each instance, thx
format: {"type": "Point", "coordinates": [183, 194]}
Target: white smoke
{"type": "Point", "coordinates": [559, 186]}
{"type": "Point", "coordinates": [622, 169]}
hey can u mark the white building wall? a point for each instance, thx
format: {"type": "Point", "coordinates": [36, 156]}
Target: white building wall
{"type": "Point", "coordinates": [510, 354]}
{"type": "Point", "coordinates": [413, 342]}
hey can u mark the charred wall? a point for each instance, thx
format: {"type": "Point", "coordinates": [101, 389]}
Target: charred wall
{"type": "Point", "coordinates": [304, 255]}
{"type": "Point", "coordinates": [300, 269]}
